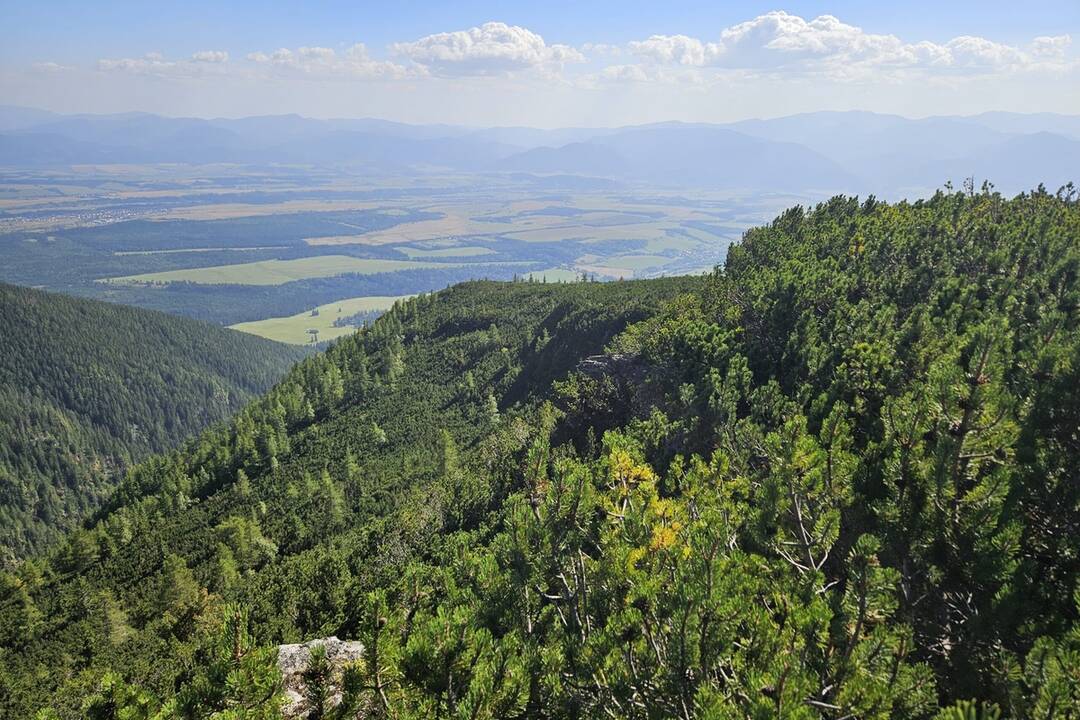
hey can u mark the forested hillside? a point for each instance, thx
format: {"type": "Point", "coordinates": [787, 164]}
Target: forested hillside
{"type": "Point", "coordinates": [837, 478]}
{"type": "Point", "coordinates": [86, 388]}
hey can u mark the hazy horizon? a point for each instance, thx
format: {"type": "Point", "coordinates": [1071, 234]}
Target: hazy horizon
{"type": "Point", "coordinates": [486, 64]}
{"type": "Point", "coordinates": [479, 126]}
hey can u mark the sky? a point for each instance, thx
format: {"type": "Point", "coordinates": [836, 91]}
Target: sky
{"type": "Point", "coordinates": [543, 64]}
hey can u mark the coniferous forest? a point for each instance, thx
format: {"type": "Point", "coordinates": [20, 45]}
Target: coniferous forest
{"type": "Point", "coordinates": [836, 478]}
{"type": "Point", "coordinates": [87, 388]}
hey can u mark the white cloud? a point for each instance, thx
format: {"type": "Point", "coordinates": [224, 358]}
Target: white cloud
{"type": "Point", "coordinates": [314, 62]}
{"type": "Point", "coordinates": [50, 67]}
{"type": "Point", "coordinates": [773, 47]}
{"type": "Point", "coordinates": [631, 74]}
{"type": "Point", "coordinates": [494, 48]}
{"type": "Point", "coordinates": [781, 42]}
{"type": "Point", "coordinates": [980, 53]}
{"type": "Point", "coordinates": [601, 49]}
{"type": "Point", "coordinates": [676, 50]}
{"type": "Point", "coordinates": [355, 62]}
{"type": "Point", "coordinates": [624, 73]}
{"type": "Point", "coordinates": [778, 39]}
{"type": "Point", "coordinates": [155, 63]}
{"type": "Point", "coordinates": [151, 62]}
{"type": "Point", "coordinates": [210, 56]}
{"type": "Point", "coordinates": [1054, 48]}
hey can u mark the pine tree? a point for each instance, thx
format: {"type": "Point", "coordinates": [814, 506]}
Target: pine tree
{"type": "Point", "coordinates": [236, 680]}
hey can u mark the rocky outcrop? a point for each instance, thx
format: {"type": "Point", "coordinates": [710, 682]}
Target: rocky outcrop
{"type": "Point", "coordinates": [293, 661]}
{"type": "Point", "coordinates": [630, 374]}
{"type": "Point", "coordinates": [627, 368]}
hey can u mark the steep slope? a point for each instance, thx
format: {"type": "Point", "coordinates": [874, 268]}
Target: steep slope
{"type": "Point", "coordinates": [86, 388]}
{"type": "Point", "coordinates": [346, 441]}
{"type": "Point", "coordinates": [836, 479]}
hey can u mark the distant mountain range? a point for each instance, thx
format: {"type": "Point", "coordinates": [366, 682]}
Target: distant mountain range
{"type": "Point", "coordinates": [858, 152]}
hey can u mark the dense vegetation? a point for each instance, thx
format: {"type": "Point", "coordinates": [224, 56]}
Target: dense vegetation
{"type": "Point", "coordinates": [837, 478]}
{"type": "Point", "coordinates": [86, 388]}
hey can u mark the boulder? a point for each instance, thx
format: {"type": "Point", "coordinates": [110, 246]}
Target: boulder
{"type": "Point", "coordinates": [293, 661]}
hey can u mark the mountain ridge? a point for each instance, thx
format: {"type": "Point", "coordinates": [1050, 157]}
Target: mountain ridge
{"type": "Point", "coordinates": [831, 151]}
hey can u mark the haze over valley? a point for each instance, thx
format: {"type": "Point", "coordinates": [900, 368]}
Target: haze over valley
{"type": "Point", "coordinates": [269, 218]}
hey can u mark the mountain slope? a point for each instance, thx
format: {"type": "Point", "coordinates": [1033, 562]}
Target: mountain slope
{"type": "Point", "coordinates": [371, 412]}
{"type": "Point", "coordinates": [886, 151]}
{"type": "Point", "coordinates": [13, 117]}
{"type": "Point", "coordinates": [689, 155]}
{"type": "Point", "coordinates": [836, 479]}
{"type": "Point", "coordinates": [1020, 161]}
{"type": "Point", "coordinates": [584, 158]}
{"type": "Point", "coordinates": [86, 388]}
{"type": "Point", "coordinates": [1027, 123]}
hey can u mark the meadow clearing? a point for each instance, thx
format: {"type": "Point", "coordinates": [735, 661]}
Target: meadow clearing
{"type": "Point", "coordinates": [294, 328]}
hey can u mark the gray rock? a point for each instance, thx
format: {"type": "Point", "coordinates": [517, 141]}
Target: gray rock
{"type": "Point", "coordinates": [293, 661]}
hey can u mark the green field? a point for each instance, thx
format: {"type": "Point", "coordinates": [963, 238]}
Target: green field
{"type": "Point", "coordinates": [277, 272]}
{"type": "Point", "coordinates": [294, 328]}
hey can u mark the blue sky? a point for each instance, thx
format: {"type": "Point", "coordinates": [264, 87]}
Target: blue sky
{"type": "Point", "coordinates": [559, 62]}
{"type": "Point", "coordinates": [68, 30]}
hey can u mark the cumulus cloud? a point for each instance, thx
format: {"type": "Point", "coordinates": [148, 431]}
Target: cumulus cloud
{"type": "Point", "coordinates": [772, 45]}
{"type": "Point", "coordinates": [354, 62]}
{"type": "Point", "coordinates": [494, 48]}
{"type": "Point", "coordinates": [210, 56]}
{"type": "Point", "coordinates": [1054, 48]}
{"type": "Point", "coordinates": [676, 50]}
{"type": "Point", "coordinates": [977, 52]}
{"type": "Point", "coordinates": [782, 42]}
